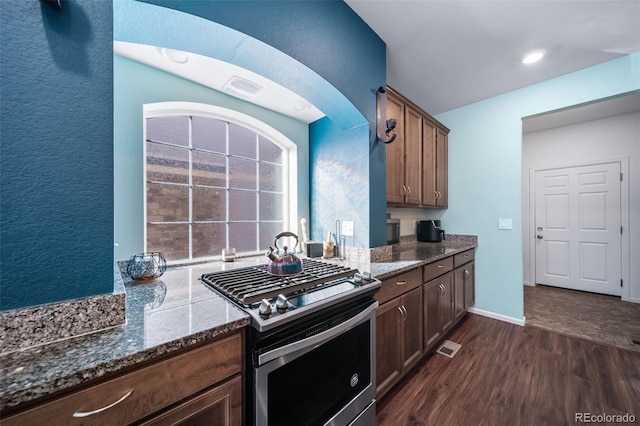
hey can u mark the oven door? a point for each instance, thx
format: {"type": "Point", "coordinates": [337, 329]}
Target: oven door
{"type": "Point", "coordinates": [325, 379]}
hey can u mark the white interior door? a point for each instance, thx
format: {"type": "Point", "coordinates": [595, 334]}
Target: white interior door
{"type": "Point", "coordinates": [578, 228]}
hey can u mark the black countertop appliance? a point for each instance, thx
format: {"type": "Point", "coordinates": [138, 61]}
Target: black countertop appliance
{"type": "Point", "coordinates": [429, 231]}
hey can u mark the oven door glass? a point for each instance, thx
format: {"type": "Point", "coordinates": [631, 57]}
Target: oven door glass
{"type": "Point", "coordinates": [326, 383]}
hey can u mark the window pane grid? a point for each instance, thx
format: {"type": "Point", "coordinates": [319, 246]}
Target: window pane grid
{"type": "Point", "coordinates": [244, 180]}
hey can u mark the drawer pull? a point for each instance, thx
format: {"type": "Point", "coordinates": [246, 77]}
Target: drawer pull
{"type": "Point", "coordinates": [440, 266]}
{"type": "Point", "coordinates": [401, 283]}
{"type": "Point", "coordinates": [100, 410]}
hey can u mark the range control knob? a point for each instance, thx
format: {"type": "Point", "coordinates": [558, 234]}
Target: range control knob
{"type": "Point", "coordinates": [366, 276]}
{"type": "Point", "coordinates": [282, 303]}
{"type": "Point", "coordinates": [265, 308]}
{"type": "Point", "coordinates": [358, 278]}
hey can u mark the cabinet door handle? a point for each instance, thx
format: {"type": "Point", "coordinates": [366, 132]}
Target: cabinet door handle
{"type": "Point", "coordinates": [409, 188]}
{"type": "Point", "coordinates": [436, 194]}
{"type": "Point", "coordinates": [404, 190]}
{"type": "Point", "coordinates": [466, 273]}
{"type": "Point", "coordinates": [100, 410]}
{"type": "Point", "coordinates": [401, 283]}
{"type": "Point", "coordinates": [403, 312]}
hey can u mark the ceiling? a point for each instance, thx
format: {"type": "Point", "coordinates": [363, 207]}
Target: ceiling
{"type": "Point", "coordinates": [447, 54]}
{"type": "Point", "coordinates": [603, 108]}
{"type": "Point", "coordinates": [228, 78]}
{"type": "Point", "coordinates": [444, 54]}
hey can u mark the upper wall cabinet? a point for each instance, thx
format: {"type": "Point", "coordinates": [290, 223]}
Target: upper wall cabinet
{"type": "Point", "coordinates": [417, 170]}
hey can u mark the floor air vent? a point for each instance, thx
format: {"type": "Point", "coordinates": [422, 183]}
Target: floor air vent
{"type": "Point", "coordinates": [448, 348]}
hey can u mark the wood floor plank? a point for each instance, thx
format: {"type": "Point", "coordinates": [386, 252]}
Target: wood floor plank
{"type": "Point", "coordinates": [505, 374]}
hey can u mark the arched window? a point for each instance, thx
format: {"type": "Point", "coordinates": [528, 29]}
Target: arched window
{"type": "Point", "coordinates": [214, 178]}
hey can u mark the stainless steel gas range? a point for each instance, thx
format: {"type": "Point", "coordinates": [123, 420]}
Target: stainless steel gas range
{"type": "Point", "coordinates": [311, 344]}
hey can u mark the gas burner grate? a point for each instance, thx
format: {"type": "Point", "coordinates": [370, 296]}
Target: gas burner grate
{"type": "Point", "coordinates": [253, 283]}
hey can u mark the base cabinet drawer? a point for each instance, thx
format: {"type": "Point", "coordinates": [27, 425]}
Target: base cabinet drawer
{"type": "Point", "coordinates": [398, 285]}
{"type": "Point", "coordinates": [143, 392]}
{"type": "Point", "coordinates": [437, 268]}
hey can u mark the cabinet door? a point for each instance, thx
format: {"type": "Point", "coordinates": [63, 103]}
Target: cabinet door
{"type": "Point", "coordinates": [429, 175]}
{"type": "Point", "coordinates": [221, 405]}
{"type": "Point", "coordinates": [412, 155]}
{"type": "Point", "coordinates": [469, 285]}
{"type": "Point", "coordinates": [395, 152]}
{"type": "Point", "coordinates": [446, 306]}
{"type": "Point", "coordinates": [432, 292]}
{"type": "Point", "coordinates": [459, 291]}
{"type": "Point", "coordinates": [442, 167]}
{"type": "Point", "coordinates": [411, 304]}
{"type": "Point", "coordinates": [388, 360]}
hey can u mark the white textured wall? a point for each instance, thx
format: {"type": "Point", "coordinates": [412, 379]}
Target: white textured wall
{"type": "Point", "coordinates": [610, 138]}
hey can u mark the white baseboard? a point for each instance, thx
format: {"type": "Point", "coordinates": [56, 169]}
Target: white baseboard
{"type": "Point", "coordinates": [528, 283]}
{"type": "Point", "coordinates": [499, 317]}
{"type": "Point", "coordinates": [634, 300]}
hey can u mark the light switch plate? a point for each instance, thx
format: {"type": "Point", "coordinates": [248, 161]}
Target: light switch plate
{"type": "Point", "coordinates": [505, 223]}
{"type": "Point", "coordinates": [347, 228]}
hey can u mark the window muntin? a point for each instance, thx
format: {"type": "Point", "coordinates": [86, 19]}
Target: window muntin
{"type": "Point", "coordinates": [212, 183]}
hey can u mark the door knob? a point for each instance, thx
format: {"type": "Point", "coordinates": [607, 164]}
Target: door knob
{"type": "Point", "coordinates": [539, 237]}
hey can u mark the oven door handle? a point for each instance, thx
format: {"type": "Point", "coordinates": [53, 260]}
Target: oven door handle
{"type": "Point", "coordinates": [317, 339]}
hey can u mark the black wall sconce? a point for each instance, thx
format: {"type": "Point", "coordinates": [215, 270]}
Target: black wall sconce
{"type": "Point", "coordinates": [384, 126]}
{"type": "Point", "coordinates": [54, 3]}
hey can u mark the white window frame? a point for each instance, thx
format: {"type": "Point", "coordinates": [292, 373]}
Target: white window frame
{"type": "Point", "coordinates": [290, 151]}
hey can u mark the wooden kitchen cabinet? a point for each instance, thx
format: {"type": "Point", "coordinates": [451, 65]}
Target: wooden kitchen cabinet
{"type": "Point", "coordinates": [404, 180]}
{"type": "Point", "coordinates": [435, 160]}
{"type": "Point", "coordinates": [399, 333]}
{"type": "Point", "coordinates": [206, 378]}
{"type": "Point", "coordinates": [417, 161]}
{"type": "Point", "coordinates": [438, 309]}
{"type": "Point", "coordinates": [464, 282]}
{"type": "Point", "coordinates": [220, 406]}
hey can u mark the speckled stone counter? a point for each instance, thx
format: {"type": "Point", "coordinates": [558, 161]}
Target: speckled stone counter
{"type": "Point", "coordinates": [172, 313]}
{"type": "Point", "coordinates": [411, 254]}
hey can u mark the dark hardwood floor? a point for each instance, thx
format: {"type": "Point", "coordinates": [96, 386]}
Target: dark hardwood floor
{"type": "Point", "coordinates": [505, 374]}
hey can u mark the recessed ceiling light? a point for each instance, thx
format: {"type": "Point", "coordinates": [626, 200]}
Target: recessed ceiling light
{"type": "Point", "coordinates": [533, 57]}
{"type": "Point", "coordinates": [301, 105]}
{"type": "Point", "coordinates": [176, 56]}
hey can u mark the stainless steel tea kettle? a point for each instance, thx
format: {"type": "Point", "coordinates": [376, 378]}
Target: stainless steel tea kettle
{"type": "Point", "coordinates": [286, 263]}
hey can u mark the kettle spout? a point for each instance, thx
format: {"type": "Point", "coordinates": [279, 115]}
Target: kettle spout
{"type": "Point", "coordinates": [270, 254]}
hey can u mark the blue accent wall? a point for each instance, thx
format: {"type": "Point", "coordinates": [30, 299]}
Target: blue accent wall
{"type": "Point", "coordinates": [56, 191]}
{"type": "Point", "coordinates": [485, 149]}
{"type": "Point", "coordinates": [330, 39]}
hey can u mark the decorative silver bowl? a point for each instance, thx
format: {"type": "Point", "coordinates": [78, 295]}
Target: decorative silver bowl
{"type": "Point", "coordinates": [146, 267]}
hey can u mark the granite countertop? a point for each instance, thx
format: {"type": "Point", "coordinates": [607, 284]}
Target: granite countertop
{"type": "Point", "coordinates": [413, 254]}
{"type": "Point", "coordinates": [173, 313]}
{"type": "Point", "coordinates": [167, 315]}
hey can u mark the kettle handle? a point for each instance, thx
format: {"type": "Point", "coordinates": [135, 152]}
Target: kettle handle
{"type": "Point", "coordinates": [285, 234]}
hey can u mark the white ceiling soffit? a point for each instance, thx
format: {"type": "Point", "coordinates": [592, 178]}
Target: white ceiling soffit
{"type": "Point", "coordinates": [609, 107]}
{"type": "Point", "coordinates": [447, 54]}
{"type": "Point", "coordinates": [223, 77]}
